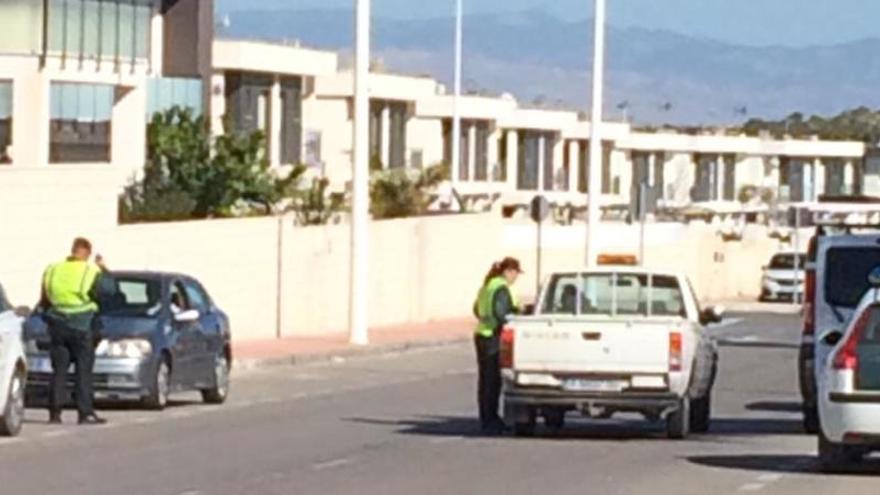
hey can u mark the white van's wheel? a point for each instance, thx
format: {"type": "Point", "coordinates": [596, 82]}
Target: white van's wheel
{"type": "Point", "coordinates": [678, 422]}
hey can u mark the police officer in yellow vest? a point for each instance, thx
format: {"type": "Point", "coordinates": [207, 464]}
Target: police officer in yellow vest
{"type": "Point", "coordinates": [70, 304]}
{"type": "Point", "coordinates": [495, 303]}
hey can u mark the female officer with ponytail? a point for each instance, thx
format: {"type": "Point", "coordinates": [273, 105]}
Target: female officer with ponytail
{"type": "Point", "coordinates": [494, 306]}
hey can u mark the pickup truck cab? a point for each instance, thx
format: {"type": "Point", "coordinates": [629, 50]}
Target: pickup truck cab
{"type": "Point", "coordinates": [617, 339]}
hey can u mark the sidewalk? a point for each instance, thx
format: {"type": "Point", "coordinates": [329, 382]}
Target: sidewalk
{"type": "Point", "coordinates": [300, 350]}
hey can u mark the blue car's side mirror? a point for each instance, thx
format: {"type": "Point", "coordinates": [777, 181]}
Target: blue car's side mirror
{"type": "Point", "coordinates": [874, 278]}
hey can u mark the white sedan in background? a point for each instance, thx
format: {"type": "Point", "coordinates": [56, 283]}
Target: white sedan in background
{"type": "Point", "coordinates": [13, 368]}
{"type": "Point", "coordinates": [849, 386]}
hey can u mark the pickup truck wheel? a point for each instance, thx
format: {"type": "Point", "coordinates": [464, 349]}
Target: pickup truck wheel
{"type": "Point", "coordinates": [678, 421]}
{"type": "Point", "coordinates": [836, 458]}
{"type": "Point", "coordinates": [554, 418]}
{"type": "Point", "coordinates": [13, 415]}
{"type": "Point", "coordinates": [811, 419]}
{"type": "Point", "coordinates": [701, 413]}
{"type": "Point", "coordinates": [524, 423]}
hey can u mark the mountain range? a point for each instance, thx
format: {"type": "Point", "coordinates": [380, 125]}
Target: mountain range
{"type": "Point", "coordinates": [653, 76]}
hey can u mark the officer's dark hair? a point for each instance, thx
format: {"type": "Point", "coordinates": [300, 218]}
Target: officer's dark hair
{"type": "Point", "coordinates": [500, 267]}
{"type": "Point", "coordinates": [81, 243]}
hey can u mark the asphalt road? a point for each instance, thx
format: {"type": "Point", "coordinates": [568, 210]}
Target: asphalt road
{"type": "Point", "coordinates": [404, 424]}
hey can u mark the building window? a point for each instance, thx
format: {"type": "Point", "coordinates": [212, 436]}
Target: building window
{"type": "Point", "coordinates": [247, 97]}
{"type": "Point", "coordinates": [291, 121]}
{"type": "Point", "coordinates": [313, 151]}
{"type": "Point", "coordinates": [397, 133]}
{"type": "Point", "coordinates": [549, 140]}
{"type": "Point", "coordinates": [729, 177]}
{"type": "Point", "coordinates": [481, 168]}
{"type": "Point", "coordinates": [101, 29]}
{"type": "Point", "coordinates": [21, 26]}
{"type": "Point", "coordinates": [608, 185]}
{"type": "Point", "coordinates": [164, 93]}
{"type": "Point", "coordinates": [583, 159]}
{"type": "Point", "coordinates": [501, 167]}
{"type": "Point", "coordinates": [529, 151]}
{"type": "Point", "coordinates": [80, 126]}
{"type": "Point", "coordinates": [5, 121]}
{"type": "Point", "coordinates": [660, 175]}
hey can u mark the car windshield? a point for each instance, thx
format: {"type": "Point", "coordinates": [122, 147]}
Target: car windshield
{"type": "Point", "coordinates": [4, 302]}
{"type": "Point", "coordinates": [787, 262]}
{"type": "Point", "coordinates": [846, 274]}
{"type": "Point", "coordinates": [613, 294]}
{"type": "Point", "coordinates": [129, 296]}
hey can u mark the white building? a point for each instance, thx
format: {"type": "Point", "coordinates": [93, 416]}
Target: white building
{"type": "Point", "coordinates": [509, 151]}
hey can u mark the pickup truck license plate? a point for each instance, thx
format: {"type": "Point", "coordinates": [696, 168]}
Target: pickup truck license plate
{"type": "Point", "coordinates": [579, 385]}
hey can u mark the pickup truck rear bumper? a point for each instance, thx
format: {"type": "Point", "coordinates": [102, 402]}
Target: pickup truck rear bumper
{"type": "Point", "coordinates": [625, 401]}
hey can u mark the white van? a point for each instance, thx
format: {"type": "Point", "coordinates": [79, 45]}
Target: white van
{"type": "Point", "coordinates": [13, 368]}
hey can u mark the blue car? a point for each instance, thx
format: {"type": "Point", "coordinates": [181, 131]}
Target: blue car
{"type": "Point", "coordinates": [160, 333]}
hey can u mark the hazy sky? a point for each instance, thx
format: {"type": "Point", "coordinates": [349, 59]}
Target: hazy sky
{"type": "Point", "coordinates": [754, 22]}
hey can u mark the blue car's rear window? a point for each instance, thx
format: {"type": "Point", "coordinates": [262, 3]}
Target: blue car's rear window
{"type": "Point", "coordinates": [130, 296]}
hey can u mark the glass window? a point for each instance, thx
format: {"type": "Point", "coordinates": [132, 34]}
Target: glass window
{"type": "Point", "coordinates": [127, 30]}
{"type": "Point", "coordinates": [178, 299]}
{"type": "Point", "coordinates": [5, 120]}
{"type": "Point", "coordinates": [21, 26]}
{"type": "Point", "coordinates": [615, 294]}
{"type": "Point", "coordinates": [197, 297]}
{"type": "Point", "coordinates": [109, 28]}
{"type": "Point", "coordinates": [142, 17]}
{"type": "Point", "coordinates": [81, 122]}
{"type": "Point", "coordinates": [73, 27]}
{"type": "Point", "coordinates": [786, 262]}
{"type": "Point", "coordinates": [91, 42]}
{"type": "Point", "coordinates": [4, 302]}
{"type": "Point", "coordinates": [129, 296]}
{"type": "Point", "coordinates": [846, 274]}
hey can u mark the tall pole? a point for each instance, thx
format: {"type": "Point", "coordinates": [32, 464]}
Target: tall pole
{"type": "Point", "coordinates": [360, 202]}
{"type": "Point", "coordinates": [595, 175]}
{"type": "Point", "coordinates": [456, 109]}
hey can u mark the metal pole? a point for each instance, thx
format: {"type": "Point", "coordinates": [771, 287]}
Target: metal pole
{"type": "Point", "coordinates": [595, 176]}
{"type": "Point", "coordinates": [360, 202]}
{"type": "Point", "coordinates": [456, 109]}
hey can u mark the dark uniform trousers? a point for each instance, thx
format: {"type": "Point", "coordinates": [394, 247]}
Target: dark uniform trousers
{"type": "Point", "coordinates": [489, 382]}
{"type": "Point", "coordinates": [72, 343]}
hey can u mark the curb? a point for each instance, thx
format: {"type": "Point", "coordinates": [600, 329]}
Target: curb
{"type": "Point", "coordinates": [248, 364]}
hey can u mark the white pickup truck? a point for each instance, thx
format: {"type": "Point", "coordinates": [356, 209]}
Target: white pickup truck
{"type": "Point", "coordinates": [617, 339]}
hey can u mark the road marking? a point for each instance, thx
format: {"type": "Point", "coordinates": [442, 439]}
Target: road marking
{"type": "Point", "coordinates": [321, 466]}
{"type": "Point", "coordinates": [444, 440]}
{"type": "Point", "coordinates": [57, 433]}
{"type": "Point", "coordinates": [752, 487]}
{"type": "Point", "coordinates": [769, 478]}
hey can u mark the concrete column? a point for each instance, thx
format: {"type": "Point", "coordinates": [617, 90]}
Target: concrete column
{"type": "Point", "coordinates": [385, 132]}
{"type": "Point", "coordinates": [273, 133]}
{"type": "Point", "coordinates": [30, 120]}
{"type": "Point", "coordinates": [218, 104]}
{"type": "Point", "coordinates": [720, 165]}
{"type": "Point", "coordinates": [512, 159]}
{"type": "Point", "coordinates": [157, 42]}
{"type": "Point", "coordinates": [492, 152]}
{"type": "Point", "coordinates": [542, 146]}
{"type": "Point", "coordinates": [771, 180]}
{"type": "Point", "coordinates": [574, 165]}
{"type": "Point", "coordinates": [472, 150]}
{"type": "Point", "coordinates": [818, 178]}
{"type": "Point", "coordinates": [129, 127]}
{"type": "Point", "coordinates": [558, 158]}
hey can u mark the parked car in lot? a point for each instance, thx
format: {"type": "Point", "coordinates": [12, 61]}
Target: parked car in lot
{"type": "Point", "coordinates": [849, 385]}
{"type": "Point", "coordinates": [160, 333]}
{"type": "Point", "coordinates": [839, 261]}
{"type": "Point", "coordinates": [13, 368]}
{"type": "Point", "coordinates": [783, 277]}
{"type": "Point", "coordinates": [612, 340]}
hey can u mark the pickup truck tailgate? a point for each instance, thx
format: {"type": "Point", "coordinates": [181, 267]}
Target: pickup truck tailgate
{"type": "Point", "coordinates": [583, 346]}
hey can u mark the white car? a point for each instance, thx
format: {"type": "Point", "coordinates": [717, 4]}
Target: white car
{"type": "Point", "coordinates": [783, 277]}
{"type": "Point", "coordinates": [849, 386]}
{"type": "Point", "coordinates": [13, 369]}
{"type": "Point", "coordinates": [616, 339]}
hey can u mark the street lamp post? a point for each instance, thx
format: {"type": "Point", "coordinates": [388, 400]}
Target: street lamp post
{"type": "Point", "coordinates": [595, 169]}
{"type": "Point", "coordinates": [456, 110]}
{"type": "Point", "coordinates": [360, 202]}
